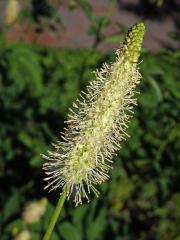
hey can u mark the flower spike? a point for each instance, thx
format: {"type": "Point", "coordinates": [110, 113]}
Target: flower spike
{"type": "Point", "coordinates": [97, 124]}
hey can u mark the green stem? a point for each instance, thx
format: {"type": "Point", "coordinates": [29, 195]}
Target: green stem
{"type": "Point", "coordinates": [55, 216]}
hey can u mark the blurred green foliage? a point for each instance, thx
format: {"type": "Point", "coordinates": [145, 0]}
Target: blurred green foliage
{"type": "Point", "coordinates": [43, 13]}
{"type": "Point", "coordinates": [98, 25]}
{"type": "Point", "coordinates": [142, 199]}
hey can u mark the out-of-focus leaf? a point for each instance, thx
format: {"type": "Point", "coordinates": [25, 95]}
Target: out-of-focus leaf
{"type": "Point", "coordinates": [68, 231]}
{"type": "Point", "coordinates": [79, 213]}
{"type": "Point", "coordinates": [87, 8]}
{"type": "Point", "coordinates": [11, 207]}
{"type": "Point", "coordinates": [97, 226]}
{"type": "Point", "coordinates": [24, 67]}
{"type": "Point", "coordinates": [174, 35]}
{"type": "Point", "coordinates": [114, 38]}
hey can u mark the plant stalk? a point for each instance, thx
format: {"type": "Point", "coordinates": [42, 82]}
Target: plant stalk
{"type": "Point", "coordinates": [55, 216]}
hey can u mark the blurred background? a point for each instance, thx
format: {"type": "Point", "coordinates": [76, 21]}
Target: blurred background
{"type": "Point", "coordinates": [48, 50]}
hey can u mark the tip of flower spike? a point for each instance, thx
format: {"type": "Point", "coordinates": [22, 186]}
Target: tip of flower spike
{"type": "Point", "coordinates": [133, 42]}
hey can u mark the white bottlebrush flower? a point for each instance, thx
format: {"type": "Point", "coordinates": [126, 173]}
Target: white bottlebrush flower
{"type": "Point", "coordinates": [97, 124]}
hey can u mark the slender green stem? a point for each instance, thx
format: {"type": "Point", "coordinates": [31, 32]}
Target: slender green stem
{"type": "Point", "coordinates": [55, 216]}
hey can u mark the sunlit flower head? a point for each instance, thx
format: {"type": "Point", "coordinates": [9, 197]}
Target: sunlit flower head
{"type": "Point", "coordinates": [97, 124]}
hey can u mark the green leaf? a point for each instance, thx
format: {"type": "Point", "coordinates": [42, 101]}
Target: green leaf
{"type": "Point", "coordinates": [69, 231]}
{"type": "Point", "coordinates": [97, 226]}
{"type": "Point", "coordinates": [175, 35]}
{"type": "Point", "coordinates": [12, 206]}
{"type": "Point", "coordinates": [79, 214]}
{"type": "Point", "coordinates": [88, 10]}
{"type": "Point", "coordinates": [14, 226]}
{"type": "Point", "coordinates": [114, 38]}
{"type": "Point", "coordinates": [25, 71]}
{"type": "Point", "coordinates": [156, 88]}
